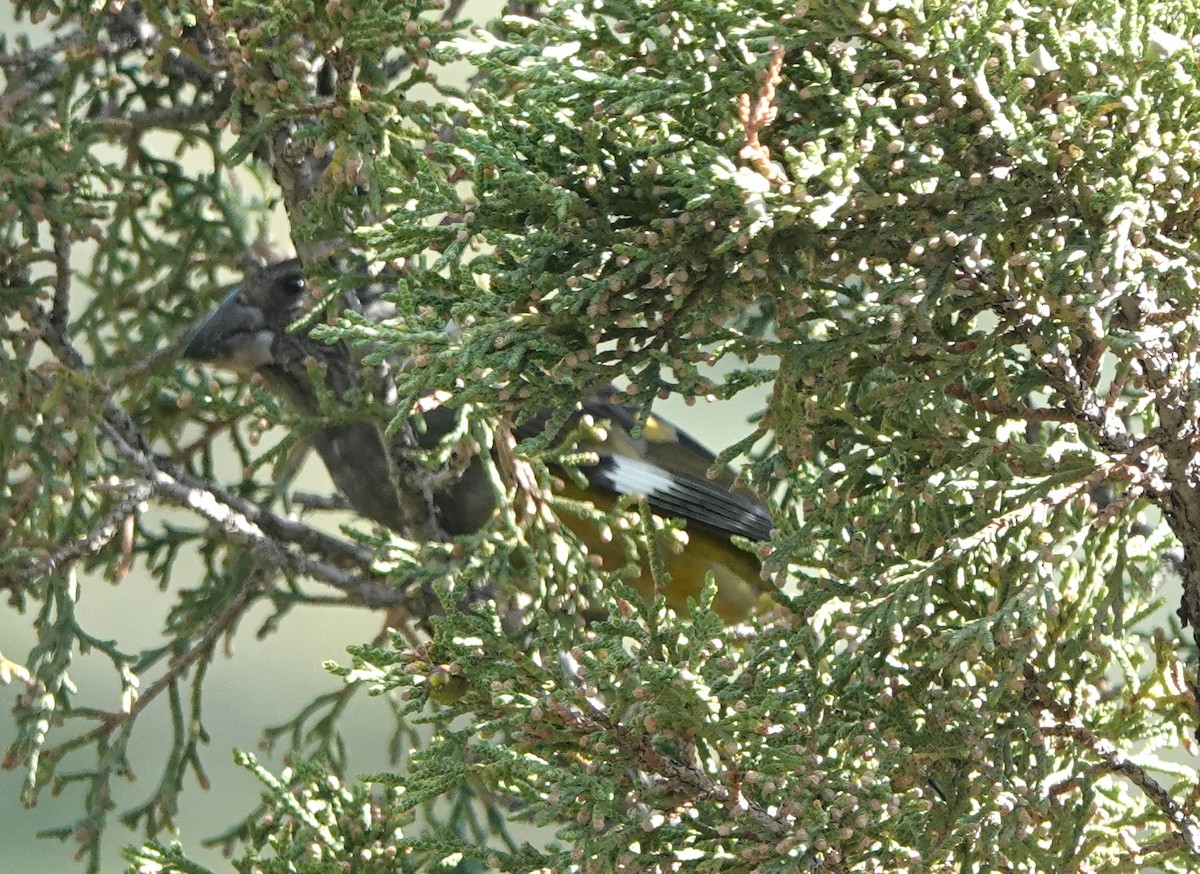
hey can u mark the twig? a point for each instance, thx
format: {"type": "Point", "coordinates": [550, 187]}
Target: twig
{"type": "Point", "coordinates": [32, 56]}
{"type": "Point", "coordinates": [219, 625]}
{"type": "Point", "coordinates": [760, 115]}
{"type": "Point", "coordinates": [1010, 411]}
{"type": "Point", "coordinates": [60, 314]}
{"type": "Point", "coordinates": [1113, 760]}
{"type": "Point", "coordinates": [173, 117]}
{"type": "Point", "coordinates": [100, 534]}
{"type": "Point", "coordinates": [681, 773]}
{"type": "Point", "coordinates": [246, 532]}
{"type": "Point", "coordinates": [311, 501]}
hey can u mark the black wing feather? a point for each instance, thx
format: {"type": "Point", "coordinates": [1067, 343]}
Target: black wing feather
{"type": "Point", "coordinates": [700, 502]}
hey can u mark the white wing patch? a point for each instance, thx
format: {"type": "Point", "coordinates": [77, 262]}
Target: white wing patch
{"type": "Point", "coordinates": [632, 476]}
{"type": "Point", "coordinates": [682, 496]}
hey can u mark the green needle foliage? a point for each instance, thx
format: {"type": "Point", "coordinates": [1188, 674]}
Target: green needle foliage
{"type": "Point", "coordinates": [954, 243]}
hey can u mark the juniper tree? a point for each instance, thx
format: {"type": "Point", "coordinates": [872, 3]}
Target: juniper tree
{"type": "Point", "coordinates": [953, 241]}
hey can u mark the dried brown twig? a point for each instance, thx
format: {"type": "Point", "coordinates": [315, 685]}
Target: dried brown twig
{"type": "Point", "coordinates": [761, 114]}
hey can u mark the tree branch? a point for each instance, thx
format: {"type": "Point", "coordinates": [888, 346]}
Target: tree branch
{"type": "Point", "coordinates": [1066, 724]}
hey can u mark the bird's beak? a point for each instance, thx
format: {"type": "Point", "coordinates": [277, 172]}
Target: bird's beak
{"type": "Point", "coordinates": [235, 336]}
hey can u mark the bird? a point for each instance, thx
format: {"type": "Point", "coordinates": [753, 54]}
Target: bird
{"type": "Point", "coordinates": [633, 453]}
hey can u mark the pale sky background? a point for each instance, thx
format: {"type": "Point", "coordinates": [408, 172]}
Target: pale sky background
{"type": "Point", "coordinates": [264, 683]}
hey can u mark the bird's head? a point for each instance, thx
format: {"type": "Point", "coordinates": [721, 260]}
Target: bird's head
{"type": "Point", "coordinates": [248, 333]}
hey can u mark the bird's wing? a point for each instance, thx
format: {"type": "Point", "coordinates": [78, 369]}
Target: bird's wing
{"type": "Point", "coordinates": [670, 469]}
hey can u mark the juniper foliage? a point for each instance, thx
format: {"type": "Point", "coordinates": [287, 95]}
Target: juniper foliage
{"type": "Point", "coordinates": [954, 241]}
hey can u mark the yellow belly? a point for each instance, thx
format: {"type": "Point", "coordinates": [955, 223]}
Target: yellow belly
{"type": "Point", "coordinates": [737, 573]}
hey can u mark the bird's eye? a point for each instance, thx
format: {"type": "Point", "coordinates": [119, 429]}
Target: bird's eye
{"type": "Point", "coordinates": [294, 286]}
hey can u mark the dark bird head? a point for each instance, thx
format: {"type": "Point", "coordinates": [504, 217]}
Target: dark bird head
{"type": "Point", "coordinates": [248, 333]}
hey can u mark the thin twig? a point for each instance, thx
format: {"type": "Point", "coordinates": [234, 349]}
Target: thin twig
{"type": "Point", "coordinates": [1010, 411]}
{"type": "Point", "coordinates": [761, 114]}
{"type": "Point", "coordinates": [245, 522]}
{"type": "Point", "coordinates": [246, 532]}
{"type": "Point", "coordinates": [641, 749]}
{"type": "Point", "coordinates": [60, 314]}
{"type": "Point", "coordinates": [98, 537]}
{"type": "Point", "coordinates": [220, 624]}
{"type": "Point", "coordinates": [32, 56]}
{"type": "Point", "coordinates": [1066, 724]}
{"type": "Point", "coordinates": [173, 117]}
